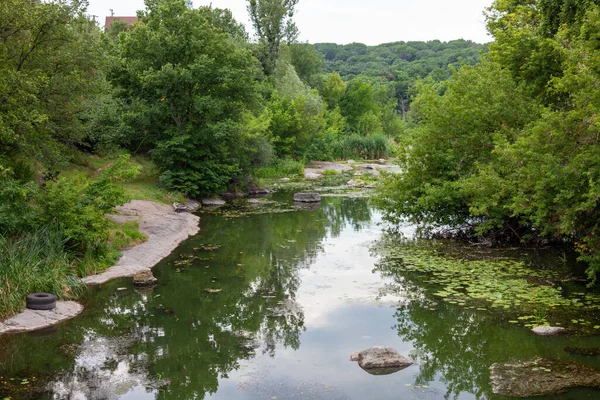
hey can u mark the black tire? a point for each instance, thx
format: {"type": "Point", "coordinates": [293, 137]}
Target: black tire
{"type": "Point", "coordinates": [41, 301]}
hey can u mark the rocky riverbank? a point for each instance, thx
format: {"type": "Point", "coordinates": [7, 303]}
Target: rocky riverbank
{"type": "Point", "coordinates": [165, 230]}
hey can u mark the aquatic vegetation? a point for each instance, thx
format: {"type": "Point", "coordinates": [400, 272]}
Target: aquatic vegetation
{"type": "Point", "coordinates": [492, 284]}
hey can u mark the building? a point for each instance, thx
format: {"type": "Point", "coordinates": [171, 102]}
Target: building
{"type": "Point", "coordinates": [110, 20]}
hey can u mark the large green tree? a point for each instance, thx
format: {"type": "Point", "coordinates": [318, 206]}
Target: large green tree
{"type": "Point", "coordinates": [193, 84]}
{"type": "Point", "coordinates": [273, 23]}
{"type": "Point", "coordinates": [50, 65]}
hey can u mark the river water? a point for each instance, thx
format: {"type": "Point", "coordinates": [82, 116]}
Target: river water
{"type": "Point", "coordinates": [271, 306]}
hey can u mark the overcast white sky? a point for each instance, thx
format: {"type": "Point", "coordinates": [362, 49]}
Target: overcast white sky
{"type": "Point", "coordinates": [365, 21]}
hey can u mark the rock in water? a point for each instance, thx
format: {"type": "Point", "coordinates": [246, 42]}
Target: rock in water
{"type": "Point", "coordinates": [591, 352]}
{"type": "Point", "coordinates": [144, 278]}
{"type": "Point", "coordinates": [307, 197]}
{"type": "Point", "coordinates": [541, 377]}
{"type": "Point", "coordinates": [548, 330]}
{"type": "Point", "coordinates": [213, 202]}
{"type": "Point", "coordinates": [379, 360]}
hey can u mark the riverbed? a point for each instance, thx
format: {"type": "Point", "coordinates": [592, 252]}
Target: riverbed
{"type": "Point", "coordinates": [270, 305]}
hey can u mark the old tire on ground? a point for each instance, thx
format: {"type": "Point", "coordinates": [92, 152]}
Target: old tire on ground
{"type": "Point", "coordinates": [41, 301]}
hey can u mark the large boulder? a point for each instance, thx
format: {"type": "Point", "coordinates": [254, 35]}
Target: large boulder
{"type": "Point", "coordinates": [379, 360]}
{"type": "Point", "coordinates": [541, 377]}
{"type": "Point", "coordinates": [144, 278]}
{"type": "Point", "coordinates": [307, 197]}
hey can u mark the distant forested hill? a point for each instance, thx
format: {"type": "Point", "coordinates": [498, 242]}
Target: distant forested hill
{"type": "Point", "coordinates": [399, 64]}
{"type": "Point", "coordinates": [392, 60]}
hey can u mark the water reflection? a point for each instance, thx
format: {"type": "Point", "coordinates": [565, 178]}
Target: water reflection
{"type": "Point", "coordinates": [179, 340]}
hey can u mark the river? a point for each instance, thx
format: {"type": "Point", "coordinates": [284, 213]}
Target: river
{"type": "Point", "coordinates": [271, 306]}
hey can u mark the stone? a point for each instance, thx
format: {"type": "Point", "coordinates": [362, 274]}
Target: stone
{"type": "Point", "coordinates": [312, 175]}
{"type": "Point", "coordinates": [307, 197]}
{"type": "Point", "coordinates": [548, 330]}
{"type": "Point", "coordinates": [381, 161]}
{"type": "Point", "coordinates": [213, 202]}
{"type": "Point", "coordinates": [380, 360]}
{"type": "Point", "coordinates": [164, 230]}
{"type": "Point", "coordinates": [178, 207]}
{"type": "Point", "coordinates": [541, 377]}
{"type": "Point", "coordinates": [354, 356]}
{"type": "Point", "coordinates": [285, 179]}
{"type": "Point", "coordinates": [350, 162]}
{"type": "Point", "coordinates": [33, 320]}
{"type": "Point", "coordinates": [255, 202]}
{"type": "Point", "coordinates": [228, 196]}
{"type": "Point", "coordinates": [254, 190]}
{"type": "Point", "coordinates": [192, 205]}
{"type": "Point", "coordinates": [144, 278]}
{"type": "Point", "coordinates": [303, 206]}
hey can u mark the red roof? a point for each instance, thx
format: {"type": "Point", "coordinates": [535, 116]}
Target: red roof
{"type": "Point", "coordinates": [127, 20]}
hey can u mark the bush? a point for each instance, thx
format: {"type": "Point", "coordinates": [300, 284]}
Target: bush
{"type": "Point", "coordinates": [34, 262]}
{"type": "Point", "coordinates": [363, 147]}
{"type": "Point", "coordinates": [281, 168]}
{"type": "Point", "coordinates": [78, 205]}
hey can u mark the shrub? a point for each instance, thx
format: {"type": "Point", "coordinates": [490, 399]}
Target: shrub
{"type": "Point", "coordinates": [364, 147]}
{"type": "Point", "coordinates": [281, 168]}
{"type": "Point", "coordinates": [34, 262]}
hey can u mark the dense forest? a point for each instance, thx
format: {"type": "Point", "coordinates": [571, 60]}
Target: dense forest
{"type": "Point", "coordinates": [500, 143]}
{"type": "Point", "coordinates": [400, 64]}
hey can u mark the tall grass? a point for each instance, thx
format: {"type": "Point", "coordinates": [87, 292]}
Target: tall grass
{"type": "Point", "coordinates": [34, 262]}
{"type": "Point", "coordinates": [281, 168]}
{"type": "Point", "coordinates": [362, 147]}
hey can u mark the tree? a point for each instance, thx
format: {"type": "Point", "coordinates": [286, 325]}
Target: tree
{"type": "Point", "coordinates": [50, 65]}
{"type": "Point", "coordinates": [194, 87]}
{"type": "Point", "coordinates": [272, 21]}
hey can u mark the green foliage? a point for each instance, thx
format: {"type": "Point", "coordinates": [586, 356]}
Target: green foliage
{"type": "Point", "coordinates": [193, 86]}
{"type": "Point", "coordinates": [361, 147]}
{"type": "Point", "coordinates": [308, 64]}
{"type": "Point", "coordinates": [34, 262]}
{"type": "Point", "coordinates": [49, 67]}
{"type": "Point", "coordinates": [272, 21]}
{"type": "Point", "coordinates": [511, 145]}
{"type": "Point", "coordinates": [78, 205]}
{"type": "Point", "coordinates": [16, 211]}
{"type": "Point", "coordinates": [281, 168]}
{"type": "Point", "coordinates": [398, 64]}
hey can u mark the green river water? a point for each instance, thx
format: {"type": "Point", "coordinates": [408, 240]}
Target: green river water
{"type": "Point", "coordinates": [274, 313]}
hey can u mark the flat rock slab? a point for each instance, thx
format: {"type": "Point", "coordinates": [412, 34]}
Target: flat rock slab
{"type": "Point", "coordinates": [541, 377]}
{"type": "Point", "coordinates": [307, 197]}
{"type": "Point", "coordinates": [165, 230]}
{"type": "Point", "coordinates": [32, 320]}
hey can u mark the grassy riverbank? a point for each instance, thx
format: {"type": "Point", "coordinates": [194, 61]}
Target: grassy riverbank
{"type": "Point", "coordinates": [50, 256]}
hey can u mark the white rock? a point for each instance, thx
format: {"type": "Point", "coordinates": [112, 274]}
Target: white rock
{"type": "Point", "coordinates": [548, 330]}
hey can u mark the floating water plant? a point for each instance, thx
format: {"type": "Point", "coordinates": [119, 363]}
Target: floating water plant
{"type": "Point", "coordinates": [505, 285]}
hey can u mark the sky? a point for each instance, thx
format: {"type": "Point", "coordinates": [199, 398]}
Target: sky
{"type": "Point", "coordinates": [365, 21]}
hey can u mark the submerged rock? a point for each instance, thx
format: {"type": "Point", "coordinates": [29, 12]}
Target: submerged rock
{"type": "Point", "coordinates": [307, 197]}
{"type": "Point", "coordinates": [213, 202]}
{"type": "Point", "coordinates": [548, 330]}
{"type": "Point", "coordinates": [229, 196]}
{"type": "Point", "coordinates": [380, 360]}
{"type": "Point", "coordinates": [541, 377]}
{"type": "Point", "coordinates": [144, 278]}
{"type": "Point", "coordinates": [592, 351]}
